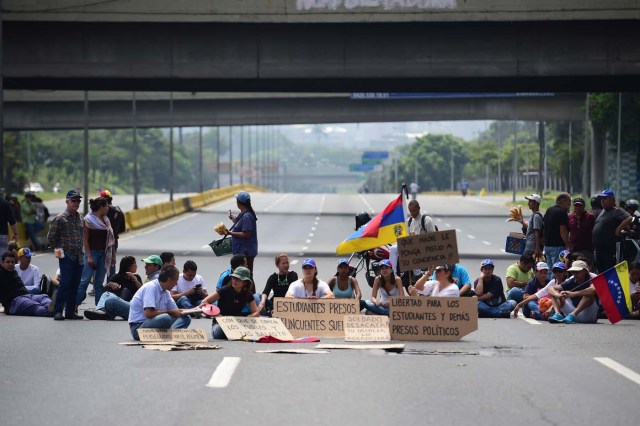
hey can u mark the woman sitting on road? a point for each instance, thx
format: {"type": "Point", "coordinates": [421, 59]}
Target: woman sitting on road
{"type": "Point", "coordinates": [127, 278]}
{"type": "Point", "coordinates": [233, 298]}
{"type": "Point", "coordinates": [385, 285]}
{"type": "Point", "coordinates": [278, 282]}
{"type": "Point", "coordinates": [443, 286]}
{"type": "Point", "coordinates": [343, 285]}
{"type": "Point", "coordinates": [309, 286]}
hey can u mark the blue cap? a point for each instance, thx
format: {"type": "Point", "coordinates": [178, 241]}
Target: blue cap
{"type": "Point", "coordinates": [607, 193]}
{"type": "Point", "coordinates": [243, 197]}
{"type": "Point", "coordinates": [308, 262]}
{"type": "Point", "coordinates": [487, 262]}
{"type": "Point", "coordinates": [385, 262]}
{"type": "Point", "coordinates": [343, 261]}
{"type": "Point", "coordinates": [559, 265]}
{"type": "Point", "coordinates": [73, 193]}
{"type": "Point", "coordinates": [563, 255]}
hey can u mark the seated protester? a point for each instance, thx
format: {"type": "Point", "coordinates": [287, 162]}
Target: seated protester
{"type": "Point", "coordinates": [443, 286]}
{"type": "Point", "coordinates": [309, 286]}
{"type": "Point", "coordinates": [110, 305]}
{"type": "Point", "coordinates": [233, 298]}
{"type": "Point", "coordinates": [28, 273]}
{"type": "Point", "coordinates": [236, 261]}
{"type": "Point", "coordinates": [153, 307]}
{"type": "Point", "coordinates": [344, 286]}
{"type": "Point", "coordinates": [574, 300]}
{"type": "Point", "coordinates": [385, 285]}
{"type": "Point", "coordinates": [517, 277]}
{"type": "Point", "coordinates": [152, 267]}
{"type": "Point", "coordinates": [15, 297]}
{"type": "Point", "coordinates": [168, 258]}
{"type": "Point", "coordinates": [278, 282]}
{"type": "Point", "coordinates": [537, 283]}
{"type": "Point", "coordinates": [190, 290]}
{"type": "Point", "coordinates": [492, 302]}
{"type": "Point", "coordinates": [542, 297]}
{"type": "Point", "coordinates": [461, 278]}
{"type": "Point", "coordinates": [634, 283]}
{"type": "Point", "coordinates": [127, 278]}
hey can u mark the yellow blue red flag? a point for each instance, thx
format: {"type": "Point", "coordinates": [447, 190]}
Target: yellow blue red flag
{"type": "Point", "coordinates": [384, 228]}
{"type": "Point", "coordinates": [614, 292]}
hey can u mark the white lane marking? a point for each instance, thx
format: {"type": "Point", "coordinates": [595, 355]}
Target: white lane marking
{"type": "Point", "coordinates": [471, 236]}
{"type": "Point", "coordinates": [308, 241]}
{"type": "Point", "coordinates": [294, 262]}
{"type": "Point", "coordinates": [447, 225]}
{"type": "Point", "coordinates": [317, 219]}
{"type": "Point", "coordinates": [458, 230]}
{"type": "Point", "coordinates": [222, 376]}
{"type": "Point", "coordinates": [305, 248]}
{"type": "Point", "coordinates": [311, 234]}
{"type": "Point", "coordinates": [486, 243]}
{"type": "Point", "coordinates": [438, 219]}
{"type": "Point", "coordinates": [620, 369]}
{"type": "Point", "coordinates": [313, 228]}
{"type": "Point", "coordinates": [529, 320]}
{"type": "Point", "coordinates": [502, 250]}
{"type": "Point", "coordinates": [157, 228]}
{"type": "Point", "coordinates": [364, 200]}
{"type": "Point", "coordinates": [206, 246]}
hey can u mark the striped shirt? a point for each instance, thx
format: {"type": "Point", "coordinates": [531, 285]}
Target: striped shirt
{"type": "Point", "coordinates": [65, 231]}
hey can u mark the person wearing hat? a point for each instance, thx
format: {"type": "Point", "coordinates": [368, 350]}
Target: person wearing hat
{"type": "Point", "coordinates": [385, 285]}
{"type": "Point", "coordinates": [14, 296]}
{"type": "Point", "coordinates": [65, 236]}
{"type": "Point", "coordinates": [244, 232]}
{"type": "Point", "coordinates": [606, 230]}
{"type": "Point", "coordinates": [533, 228]}
{"type": "Point", "coordinates": [555, 229]}
{"type": "Point", "coordinates": [492, 302]}
{"type": "Point", "coordinates": [309, 286]}
{"type": "Point", "coordinates": [574, 299]}
{"type": "Point", "coordinates": [537, 283]}
{"type": "Point", "coordinates": [278, 282]}
{"type": "Point", "coordinates": [116, 217]}
{"type": "Point", "coordinates": [233, 298]}
{"type": "Point", "coordinates": [152, 266]}
{"type": "Point", "coordinates": [7, 219]}
{"type": "Point", "coordinates": [581, 223]}
{"type": "Point", "coordinates": [444, 285]}
{"type": "Point", "coordinates": [343, 285]}
{"type": "Point", "coordinates": [28, 272]}
{"type": "Point", "coordinates": [153, 307]}
{"type": "Point", "coordinates": [545, 308]}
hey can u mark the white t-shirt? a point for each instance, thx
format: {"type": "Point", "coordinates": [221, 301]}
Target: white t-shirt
{"type": "Point", "coordinates": [383, 296]}
{"type": "Point", "coordinates": [184, 285]}
{"type": "Point", "coordinates": [432, 288]}
{"type": "Point", "coordinates": [30, 277]}
{"type": "Point", "coordinates": [150, 295]}
{"type": "Point", "coordinates": [415, 227]}
{"type": "Point", "coordinates": [544, 292]}
{"type": "Point", "coordinates": [297, 290]}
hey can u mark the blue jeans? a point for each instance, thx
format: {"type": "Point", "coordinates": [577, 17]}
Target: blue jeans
{"type": "Point", "coordinates": [531, 308]}
{"type": "Point", "coordinates": [378, 310]}
{"type": "Point", "coordinates": [217, 333]}
{"type": "Point", "coordinates": [66, 296]}
{"type": "Point", "coordinates": [116, 307]}
{"type": "Point", "coordinates": [97, 275]}
{"type": "Point", "coordinates": [32, 231]}
{"type": "Point", "coordinates": [516, 294]}
{"type": "Point", "coordinates": [552, 255]}
{"type": "Point", "coordinates": [160, 321]}
{"type": "Point", "coordinates": [495, 311]}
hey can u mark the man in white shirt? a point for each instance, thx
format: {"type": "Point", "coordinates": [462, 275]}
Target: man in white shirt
{"type": "Point", "coordinates": [28, 273]}
{"type": "Point", "coordinates": [190, 289]}
{"type": "Point", "coordinates": [417, 223]}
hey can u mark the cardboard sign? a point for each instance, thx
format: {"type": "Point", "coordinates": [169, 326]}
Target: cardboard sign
{"type": "Point", "coordinates": [237, 328]}
{"type": "Point", "coordinates": [366, 328]}
{"type": "Point", "coordinates": [433, 318]}
{"type": "Point", "coordinates": [424, 250]}
{"type": "Point", "coordinates": [186, 335]}
{"type": "Point", "coordinates": [314, 317]}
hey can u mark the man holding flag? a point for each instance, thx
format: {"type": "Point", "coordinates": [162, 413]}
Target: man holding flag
{"type": "Point", "coordinates": [574, 299]}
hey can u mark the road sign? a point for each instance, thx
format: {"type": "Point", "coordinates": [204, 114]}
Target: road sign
{"type": "Point", "coordinates": [360, 168]}
{"type": "Point", "coordinates": [376, 154]}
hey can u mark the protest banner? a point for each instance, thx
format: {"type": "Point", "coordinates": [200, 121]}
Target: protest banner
{"type": "Point", "coordinates": [424, 250]}
{"type": "Point", "coordinates": [237, 328]}
{"type": "Point", "coordinates": [432, 318]}
{"type": "Point", "coordinates": [314, 317]}
{"type": "Point", "coordinates": [366, 328]}
{"type": "Point", "coordinates": [185, 335]}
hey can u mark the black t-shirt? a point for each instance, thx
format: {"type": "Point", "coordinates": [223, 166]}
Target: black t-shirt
{"type": "Point", "coordinates": [279, 284]}
{"type": "Point", "coordinates": [6, 217]}
{"type": "Point", "coordinates": [125, 282]}
{"type": "Point", "coordinates": [553, 219]}
{"type": "Point", "coordinates": [231, 302]}
{"type": "Point", "coordinates": [604, 230]}
{"type": "Point", "coordinates": [11, 286]}
{"type": "Point", "coordinates": [494, 286]}
{"type": "Point", "coordinates": [572, 285]}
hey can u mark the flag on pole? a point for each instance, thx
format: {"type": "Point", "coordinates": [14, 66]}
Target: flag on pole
{"type": "Point", "coordinates": [614, 292]}
{"type": "Point", "coordinates": [384, 228]}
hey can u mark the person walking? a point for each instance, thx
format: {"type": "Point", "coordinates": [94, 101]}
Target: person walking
{"type": "Point", "coordinates": [244, 233]}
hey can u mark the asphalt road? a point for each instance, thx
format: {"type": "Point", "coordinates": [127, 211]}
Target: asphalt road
{"type": "Point", "coordinates": [510, 371]}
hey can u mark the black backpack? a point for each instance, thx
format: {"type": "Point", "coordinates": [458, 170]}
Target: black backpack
{"type": "Point", "coordinates": [424, 228]}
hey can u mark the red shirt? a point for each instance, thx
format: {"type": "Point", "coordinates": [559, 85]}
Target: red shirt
{"type": "Point", "coordinates": [580, 228]}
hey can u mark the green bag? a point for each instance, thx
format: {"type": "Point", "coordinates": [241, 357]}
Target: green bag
{"type": "Point", "coordinates": [221, 247]}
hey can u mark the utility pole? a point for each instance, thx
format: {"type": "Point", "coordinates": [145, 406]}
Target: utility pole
{"type": "Point", "coordinates": [85, 155]}
{"type": "Point", "coordinates": [134, 114]}
{"type": "Point", "coordinates": [171, 146]}
{"type": "Point", "coordinates": [515, 161]}
{"type": "Point", "coordinates": [619, 143]}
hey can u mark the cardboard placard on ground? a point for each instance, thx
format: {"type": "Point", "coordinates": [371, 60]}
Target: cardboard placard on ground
{"type": "Point", "coordinates": [314, 317]}
{"type": "Point", "coordinates": [366, 328]}
{"type": "Point", "coordinates": [433, 318]}
{"type": "Point", "coordinates": [186, 335]}
{"type": "Point", "coordinates": [424, 250]}
{"type": "Point", "coordinates": [237, 328]}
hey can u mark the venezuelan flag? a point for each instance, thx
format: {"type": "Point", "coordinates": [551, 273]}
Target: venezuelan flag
{"type": "Point", "coordinates": [613, 290]}
{"type": "Point", "coordinates": [384, 228]}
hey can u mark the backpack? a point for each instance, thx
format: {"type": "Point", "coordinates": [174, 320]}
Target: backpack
{"type": "Point", "coordinates": [46, 287]}
{"type": "Point", "coordinates": [424, 228]}
{"type": "Point", "coordinates": [224, 278]}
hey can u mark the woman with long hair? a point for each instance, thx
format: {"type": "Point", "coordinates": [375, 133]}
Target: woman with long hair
{"type": "Point", "coordinates": [385, 285]}
{"type": "Point", "coordinates": [443, 286]}
{"type": "Point", "coordinates": [309, 286]}
{"type": "Point", "coordinates": [244, 232]}
{"type": "Point", "coordinates": [127, 278]}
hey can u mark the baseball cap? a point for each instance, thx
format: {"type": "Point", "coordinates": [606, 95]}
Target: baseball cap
{"type": "Point", "coordinates": [73, 193]}
{"type": "Point", "coordinates": [385, 262]}
{"type": "Point", "coordinates": [308, 262]}
{"type": "Point", "coordinates": [343, 261]}
{"type": "Point", "coordinates": [26, 252]}
{"type": "Point", "coordinates": [487, 262]}
{"type": "Point", "coordinates": [559, 265]}
{"type": "Point", "coordinates": [578, 200]}
{"type": "Point", "coordinates": [563, 255]}
{"type": "Point", "coordinates": [542, 265]}
{"type": "Point", "coordinates": [242, 273]}
{"type": "Point", "coordinates": [243, 197]}
{"type": "Point", "coordinates": [106, 194]}
{"type": "Point", "coordinates": [607, 193]}
{"type": "Point", "coordinates": [578, 265]}
{"type": "Point", "coordinates": [154, 258]}
{"type": "Point", "coordinates": [631, 202]}
{"type": "Point", "coordinates": [534, 197]}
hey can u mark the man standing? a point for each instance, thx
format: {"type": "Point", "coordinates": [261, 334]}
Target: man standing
{"type": "Point", "coordinates": [29, 218]}
{"type": "Point", "coordinates": [14, 296]}
{"type": "Point", "coordinates": [555, 232]}
{"type": "Point", "coordinates": [65, 236]}
{"type": "Point", "coordinates": [28, 273]}
{"type": "Point", "coordinates": [533, 229]}
{"type": "Point", "coordinates": [116, 217]}
{"type": "Point", "coordinates": [418, 223]}
{"type": "Point", "coordinates": [6, 219]}
{"type": "Point", "coordinates": [413, 188]}
{"type": "Point", "coordinates": [581, 224]}
{"type": "Point", "coordinates": [152, 266]}
{"type": "Point", "coordinates": [153, 307]}
{"type": "Point", "coordinates": [606, 230]}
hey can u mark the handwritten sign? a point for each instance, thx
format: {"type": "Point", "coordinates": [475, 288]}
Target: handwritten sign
{"type": "Point", "coordinates": [424, 250]}
{"type": "Point", "coordinates": [366, 328]}
{"type": "Point", "coordinates": [433, 318]}
{"type": "Point", "coordinates": [236, 328]}
{"type": "Point", "coordinates": [186, 335]}
{"type": "Point", "coordinates": [314, 317]}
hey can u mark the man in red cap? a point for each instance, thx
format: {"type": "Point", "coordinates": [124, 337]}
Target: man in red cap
{"type": "Point", "coordinates": [116, 217]}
